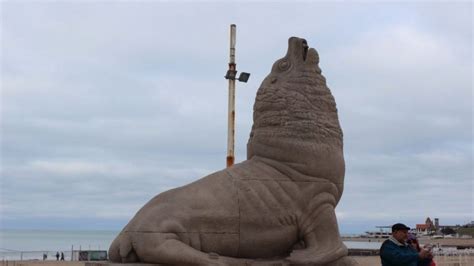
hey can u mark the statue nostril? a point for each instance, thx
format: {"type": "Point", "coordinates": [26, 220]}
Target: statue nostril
{"type": "Point", "coordinates": [305, 49]}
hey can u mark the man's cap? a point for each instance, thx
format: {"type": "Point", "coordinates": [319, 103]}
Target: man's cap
{"type": "Point", "coordinates": [399, 226]}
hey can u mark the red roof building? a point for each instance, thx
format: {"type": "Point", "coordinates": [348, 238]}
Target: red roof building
{"type": "Point", "coordinates": [421, 227]}
{"type": "Point", "coordinates": [427, 227]}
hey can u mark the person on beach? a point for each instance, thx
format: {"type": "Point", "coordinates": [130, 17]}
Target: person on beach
{"type": "Point", "coordinates": [396, 252]}
{"type": "Point", "coordinates": [57, 255]}
{"type": "Point", "coordinates": [62, 255]}
{"type": "Point", "coordinates": [413, 242]}
{"type": "Point", "coordinates": [45, 256]}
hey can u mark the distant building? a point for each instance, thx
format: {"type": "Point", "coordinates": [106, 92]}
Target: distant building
{"type": "Point", "coordinates": [382, 232]}
{"type": "Point", "coordinates": [422, 228]}
{"type": "Point", "coordinates": [428, 227]}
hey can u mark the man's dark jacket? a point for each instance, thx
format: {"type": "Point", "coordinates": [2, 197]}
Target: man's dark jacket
{"type": "Point", "coordinates": [392, 254]}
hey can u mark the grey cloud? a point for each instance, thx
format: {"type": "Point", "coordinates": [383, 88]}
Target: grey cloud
{"type": "Point", "coordinates": [107, 104]}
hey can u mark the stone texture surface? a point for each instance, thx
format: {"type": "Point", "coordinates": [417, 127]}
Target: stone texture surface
{"type": "Point", "coordinates": [275, 208]}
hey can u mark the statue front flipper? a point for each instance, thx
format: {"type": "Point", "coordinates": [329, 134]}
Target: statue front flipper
{"type": "Point", "coordinates": [323, 246]}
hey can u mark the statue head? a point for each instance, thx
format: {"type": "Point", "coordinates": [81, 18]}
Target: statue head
{"type": "Point", "coordinates": [295, 116]}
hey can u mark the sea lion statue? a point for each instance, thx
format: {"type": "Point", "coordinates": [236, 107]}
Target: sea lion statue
{"type": "Point", "coordinates": [275, 208]}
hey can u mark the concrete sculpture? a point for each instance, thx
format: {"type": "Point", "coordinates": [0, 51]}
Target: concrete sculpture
{"type": "Point", "coordinates": [277, 207]}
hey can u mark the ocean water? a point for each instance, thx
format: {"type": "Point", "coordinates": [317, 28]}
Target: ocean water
{"type": "Point", "coordinates": [38, 240]}
{"type": "Point", "coordinates": [362, 245]}
{"type": "Point", "coordinates": [32, 244]}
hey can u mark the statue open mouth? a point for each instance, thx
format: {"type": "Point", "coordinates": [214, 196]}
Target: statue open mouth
{"type": "Point", "coordinates": [305, 49]}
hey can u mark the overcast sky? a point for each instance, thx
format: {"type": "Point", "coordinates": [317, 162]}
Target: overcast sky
{"type": "Point", "coordinates": [105, 105]}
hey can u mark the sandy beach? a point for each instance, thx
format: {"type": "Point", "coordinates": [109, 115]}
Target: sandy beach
{"type": "Point", "coordinates": [445, 242]}
{"type": "Point", "coordinates": [361, 260]}
{"type": "Point", "coordinates": [445, 260]}
{"type": "Point", "coordinates": [440, 261]}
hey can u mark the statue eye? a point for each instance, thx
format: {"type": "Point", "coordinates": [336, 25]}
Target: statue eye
{"type": "Point", "coordinates": [284, 65]}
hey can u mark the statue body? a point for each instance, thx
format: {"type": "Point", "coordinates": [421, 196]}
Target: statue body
{"type": "Point", "coordinates": [276, 206]}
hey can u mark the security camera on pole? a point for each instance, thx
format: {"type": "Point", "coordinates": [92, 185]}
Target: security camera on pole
{"type": "Point", "coordinates": [231, 74]}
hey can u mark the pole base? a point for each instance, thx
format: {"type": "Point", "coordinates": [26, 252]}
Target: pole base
{"type": "Point", "coordinates": [230, 161]}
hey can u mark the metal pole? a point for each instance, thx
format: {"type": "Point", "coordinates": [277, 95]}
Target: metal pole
{"type": "Point", "coordinates": [231, 115]}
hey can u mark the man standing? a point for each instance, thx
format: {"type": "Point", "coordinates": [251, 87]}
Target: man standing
{"type": "Point", "coordinates": [396, 252]}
